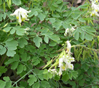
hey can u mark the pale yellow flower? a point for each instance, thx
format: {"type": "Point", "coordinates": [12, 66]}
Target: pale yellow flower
{"type": "Point", "coordinates": [21, 14]}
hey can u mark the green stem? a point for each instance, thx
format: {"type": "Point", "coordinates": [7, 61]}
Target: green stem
{"type": "Point", "coordinates": [22, 77]}
{"type": "Point", "coordinates": [86, 47]}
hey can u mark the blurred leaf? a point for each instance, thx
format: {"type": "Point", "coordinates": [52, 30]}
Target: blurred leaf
{"type": "Point", "coordinates": [2, 50]}
{"type": "Point", "coordinates": [45, 84]}
{"type": "Point", "coordinates": [52, 20]}
{"type": "Point", "coordinates": [1, 15]}
{"type": "Point", "coordinates": [2, 84]}
{"type": "Point", "coordinates": [2, 70]}
{"type": "Point", "coordinates": [32, 79]}
{"type": "Point", "coordinates": [37, 40]}
{"type": "Point", "coordinates": [46, 39]}
{"type": "Point", "coordinates": [42, 16]}
{"type": "Point", "coordinates": [0, 2]}
{"type": "Point", "coordinates": [81, 82]}
{"type": "Point", "coordinates": [14, 65]}
{"type": "Point", "coordinates": [65, 77]}
{"type": "Point", "coordinates": [11, 44]}
{"type": "Point", "coordinates": [88, 37]}
{"type": "Point", "coordinates": [22, 42]}
{"type": "Point", "coordinates": [20, 31]}
{"type": "Point", "coordinates": [16, 2]}
{"type": "Point", "coordinates": [11, 53]}
{"type": "Point", "coordinates": [7, 29]}
{"type": "Point", "coordinates": [12, 31]}
{"type": "Point", "coordinates": [57, 24]}
{"type": "Point", "coordinates": [20, 68]}
{"type": "Point", "coordinates": [54, 38]}
{"type": "Point", "coordinates": [82, 35]}
{"type": "Point", "coordinates": [36, 85]}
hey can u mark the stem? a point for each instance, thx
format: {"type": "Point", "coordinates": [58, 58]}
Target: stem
{"type": "Point", "coordinates": [86, 47]}
{"type": "Point", "coordinates": [3, 60]}
{"type": "Point", "coordinates": [22, 77]}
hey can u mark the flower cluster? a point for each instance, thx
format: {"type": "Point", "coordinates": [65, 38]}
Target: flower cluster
{"type": "Point", "coordinates": [65, 60]}
{"type": "Point", "coordinates": [95, 8]}
{"type": "Point", "coordinates": [69, 31]}
{"type": "Point", "coordinates": [21, 14]}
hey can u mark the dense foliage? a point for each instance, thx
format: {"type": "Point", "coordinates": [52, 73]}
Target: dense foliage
{"type": "Point", "coordinates": [31, 44]}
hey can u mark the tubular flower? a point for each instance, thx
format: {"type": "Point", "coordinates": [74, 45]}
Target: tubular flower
{"type": "Point", "coordinates": [94, 1]}
{"type": "Point", "coordinates": [65, 63]}
{"type": "Point", "coordinates": [68, 47]}
{"type": "Point", "coordinates": [93, 13]}
{"type": "Point", "coordinates": [21, 14]}
{"type": "Point", "coordinates": [95, 8]}
{"type": "Point", "coordinates": [69, 31]}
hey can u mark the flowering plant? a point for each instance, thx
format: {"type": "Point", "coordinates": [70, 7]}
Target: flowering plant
{"type": "Point", "coordinates": [49, 44]}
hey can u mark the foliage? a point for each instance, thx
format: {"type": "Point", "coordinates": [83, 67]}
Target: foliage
{"type": "Point", "coordinates": [30, 48]}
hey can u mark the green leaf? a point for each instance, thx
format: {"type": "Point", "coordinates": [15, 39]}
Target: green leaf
{"type": "Point", "coordinates": [46, 32]}
{"type": "Point", "coordinates": [37, 40]}
{"type": "Point", "coordinates": [74, 74]}
{"type": "Point", "coordinates": [2, 70]}
{"type": "Point", "coordinates": [57, 77]}
{"type": "Point", "coordinates": [47, 76]}
{"type": "Point", "coordinates": [24, 57]}
{"type": "Point", "coordinates": [11, 45]}
{"type": "Point", "coordinates": [22, 42]}
{"type": "Point", "coordinates": [33, 12]}
{"type": "Point", "coordinates": [2, 84]}
{"type": "Point", "coordinates": [4, 16]}
{"type": "Point", "coordinates": [1, 15]}
{"type": "Point", "coordinates": [52, 20]}
{"type": "Point", "coordinates": [45, 84]}
{"type": "Point", "coordinates": [46, 39]}
{"type": "Point", "coordinates": [42, 16]}
{"type": "Point", "coordinates": [54, 38]}
{"type": "Point", "coordinates": [8, 84]}
{"type": "Point", "coordinates": [32, 79]}
{"type": "Point", "coordinates": [82, 20]}
{"type": "Point", "coordinates": [2, 50]}
{"type": "Point", "coordinates": [0, 2]}
{"type": "Point", "coordinates": [12, 31]}
{"type": "Point", "coordinates": [76, 35]}
{"type": "Point", "coordinates": [39, 73]}
{"type": "Point", "coordinates": [9, 61]}
{"type": "Point", "coordinates": [36, 61]}
{"type": "Point", "coordinates": [7, 79]}
{"type": "Point", "coordinates": [20, 68]}
{"type": "Point", "coordinates": [82, 35]}
{"type": "Point", "coordinates": [65, 77]}
{"type": "Point", "coordinates": [57, 24]}
{"type": "Point", "coordinates": [7, 29]}
{"type": "Point", "coordinates": [36, 85]}
{"type": "Point", "coordinates": [11, 53]}
{"type": "Point", "coordinates": [14, 65]}
{"type": "Point", "coordinates": [66, 25]}
{"type": "Point", "coordinates": [52, 43]}
{"type": "Point", "coordinates": [88, 37]}
{"type": "Point", "coordinates": [20, 31]}
{"type": "Point", "coordinates": [81, 82]}
{"type": "Point", "coordinates": [16, 2]}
